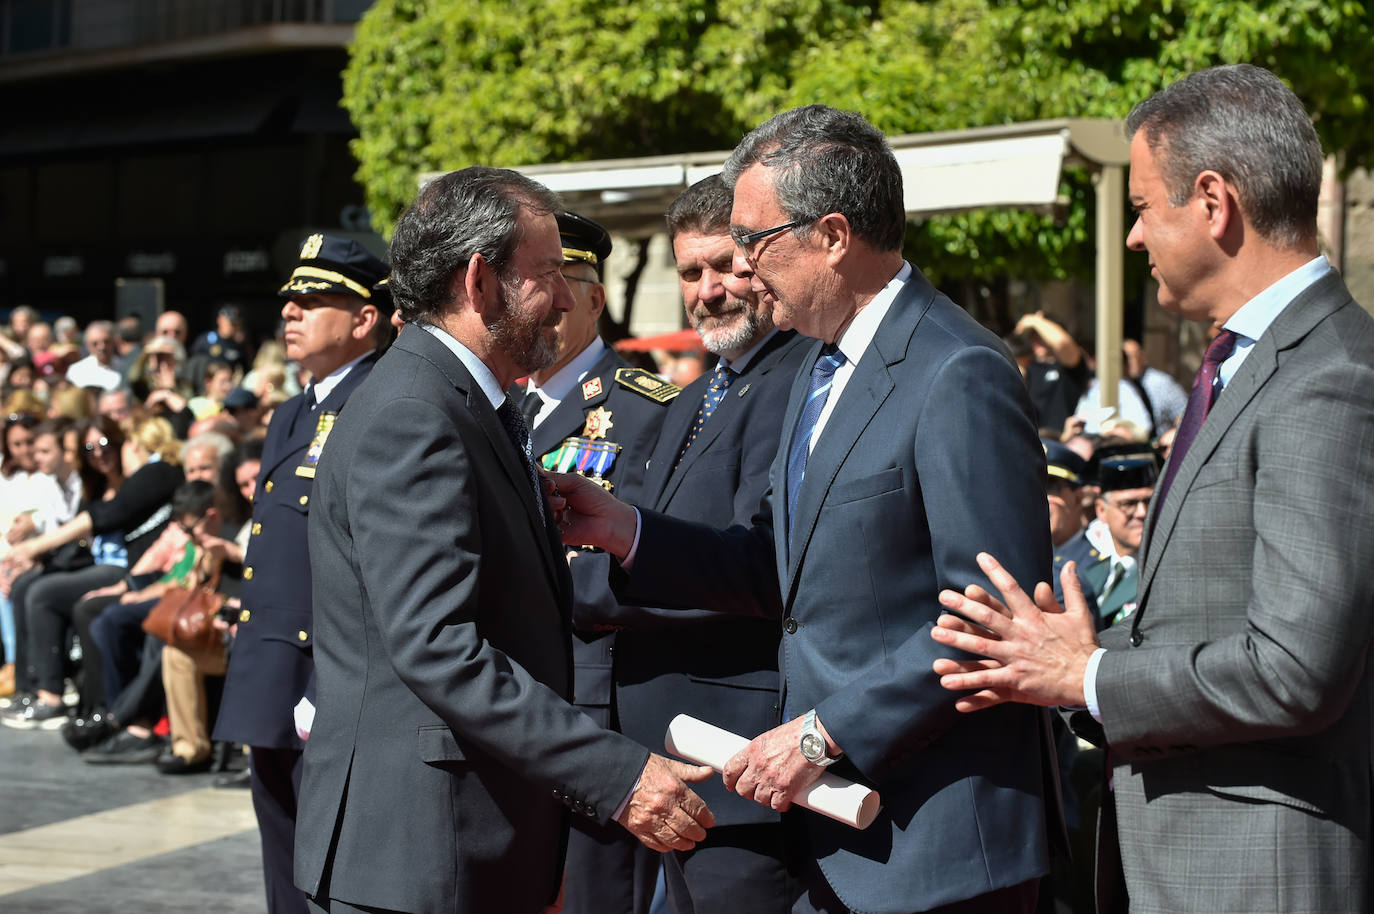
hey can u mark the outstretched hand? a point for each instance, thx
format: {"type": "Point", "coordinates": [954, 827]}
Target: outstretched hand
{"type": "Point", "coordinates": [664, 813]}
{"type": "Point", "coordinates": [1037, 650]}
{"type": "Point", "coordinates": [588, 515]}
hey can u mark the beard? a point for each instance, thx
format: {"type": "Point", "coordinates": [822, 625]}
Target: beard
{"type": "Point", "coordinates": [734, 326]}
{"type": "Point", "coordinates": [520, 334]}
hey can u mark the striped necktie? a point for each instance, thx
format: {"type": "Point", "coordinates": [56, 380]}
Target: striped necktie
{"type": "Point", "coordinates": [822, 376]}
{"type": "Point", "coordinates": [519, 434]}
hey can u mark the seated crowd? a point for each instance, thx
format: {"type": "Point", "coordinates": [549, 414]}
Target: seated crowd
{"type": "Point", "coordinates": [129, 467]}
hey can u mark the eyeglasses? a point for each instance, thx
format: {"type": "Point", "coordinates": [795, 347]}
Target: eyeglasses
{"type": "Point", "coordinates": [1128, 506]}
{"type": "Point", "coordinates": [745, 240]}
{"type": "Point", "coordinates": [98, 445]}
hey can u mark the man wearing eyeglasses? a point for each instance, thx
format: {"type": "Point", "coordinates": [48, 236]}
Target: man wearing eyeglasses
{"type": "Point", "coordinates": [906, 445]}
{"type": "Point", "coordinates": [592, 413]}
{"type": "Point", "coordinates": [1106, 550]}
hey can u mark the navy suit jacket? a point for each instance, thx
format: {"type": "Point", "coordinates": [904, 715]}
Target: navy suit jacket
{"type": "Point", "coordinates": [270, 667]}
{"type": "Point", "coordinates": [719, 668]}
{"type": "Point", "coordinates": [444, 759]}
{"type": "Point", "coordinates": [930, 456]}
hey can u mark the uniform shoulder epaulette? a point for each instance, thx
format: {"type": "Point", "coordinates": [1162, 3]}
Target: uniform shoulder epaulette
{"type": "Point", "coordinates": [647, 384]}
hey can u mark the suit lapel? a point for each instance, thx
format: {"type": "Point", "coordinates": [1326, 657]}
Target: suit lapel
{"type": "Point", "coordinates": [427, 347]}
{"type": "Point", "coordinates": [867, 389]}
{"type": "Point", "coordinates": [1295, 321]}
{"type": "Point", "coordinates": [661, 482]}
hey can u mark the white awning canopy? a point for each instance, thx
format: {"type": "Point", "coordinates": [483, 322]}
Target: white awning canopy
{"type": "Point", "coordinates": [1011, 165]}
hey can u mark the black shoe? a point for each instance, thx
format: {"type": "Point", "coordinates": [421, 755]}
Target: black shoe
{"type": "Point", "coordinates": [124, 749]}
{"type": "Point", "coordinates": [84, 732]}
{"type": "Point", "coordinates": [171, 763]}
{"type": "Point", "coordinates": [234, 780]}
{"type": "Point", "coordinates": [35, 716]}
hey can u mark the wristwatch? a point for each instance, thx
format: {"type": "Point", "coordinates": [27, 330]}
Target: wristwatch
{"type": "Point", "coordinates": [813, 743]}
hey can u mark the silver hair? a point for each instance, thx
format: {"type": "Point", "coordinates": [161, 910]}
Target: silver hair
{"type": "Point", "coordinates": [1243, 123]}
{"type": "Point", "coordinates": [475, 210]}
{"type": "Point", "coordinates": [221, 443]}
{"type": "Point", "coordinates": [828, 161]}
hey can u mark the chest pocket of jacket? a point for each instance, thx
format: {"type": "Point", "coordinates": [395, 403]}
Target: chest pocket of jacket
{"type": "Point", "coordinates": [880, 483]}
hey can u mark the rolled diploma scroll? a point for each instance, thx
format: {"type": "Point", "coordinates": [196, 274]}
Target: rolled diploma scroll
{"type": "Point", "coordinates": [831, 795]}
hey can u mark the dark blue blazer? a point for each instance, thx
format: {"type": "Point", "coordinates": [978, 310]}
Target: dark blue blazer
{"type": "Point", "coordinates": [719, 668]}
{"type": "Point", "coordinates": [270, 666]}
{"type": "Point", "coordinates": [929, 457]}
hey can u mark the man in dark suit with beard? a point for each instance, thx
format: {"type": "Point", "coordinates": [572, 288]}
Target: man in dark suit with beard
{"type": "Point", "coordinates": [445, 760]}
{"type": "Point", "coordinates": [711, 465]}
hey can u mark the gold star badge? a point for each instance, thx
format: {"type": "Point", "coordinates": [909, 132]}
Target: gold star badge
{"type": "Point", "coordinates": [598, 422]}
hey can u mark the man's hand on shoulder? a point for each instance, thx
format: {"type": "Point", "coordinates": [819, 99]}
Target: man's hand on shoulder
{"type": "Point", "coordinates": [664, 813]}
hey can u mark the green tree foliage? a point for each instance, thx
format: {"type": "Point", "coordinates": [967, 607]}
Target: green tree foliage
{"type": "Point", "coordinates": [438, 84]}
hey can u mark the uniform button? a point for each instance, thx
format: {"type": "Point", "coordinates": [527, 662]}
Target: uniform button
{"type": "Point", "coordinates": [257, 528]}
{"type": "Point", "coordinates": [245, 615]}
{"type": "Point", "coordinates": [269, 486]}
{"type": "Point", "coordinates": [305, 500]}
{"type": "Point", "coordinates": [302, 636]}
{"type": "Point", "coordinates": [1136, 639]}
{"type": "Point", "coordinates": [84, 543]}
{"type": "Point", "coordinates": [789, 625]}
{"type": "Point", "coordinates": [248, 573]}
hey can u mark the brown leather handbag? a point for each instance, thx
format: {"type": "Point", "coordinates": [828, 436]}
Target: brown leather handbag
{"type": "Point", "coordinates": [184, 618]}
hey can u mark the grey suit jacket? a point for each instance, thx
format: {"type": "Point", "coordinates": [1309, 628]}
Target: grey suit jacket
{"type": "Point", "coordinates": [929, 456]}
{"type": "Point", "coordinates": [1241, 723]}
{"type": "Point", "coordinates": [444, 757]}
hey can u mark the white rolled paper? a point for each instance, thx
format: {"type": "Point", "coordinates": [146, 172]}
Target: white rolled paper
{"type": "Point", "coordinates": [705, 744]}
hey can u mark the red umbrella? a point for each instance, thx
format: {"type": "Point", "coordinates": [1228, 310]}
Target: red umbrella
{"type": "Point", "coordinates": [677, 341]}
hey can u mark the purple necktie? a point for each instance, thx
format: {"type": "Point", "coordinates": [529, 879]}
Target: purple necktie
{"type": "Point", "coordinates": [1200, 402]}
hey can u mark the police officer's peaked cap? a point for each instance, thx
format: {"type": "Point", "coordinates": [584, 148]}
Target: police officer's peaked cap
{"type": "Point", "coordinates": [1062, 463]}
{"type": "Point", "coordinates": [584, 241]}
{"type": "Point", "coordinates": [1126, 466]}
{"type": "Point", "coordinates": [331, 265]}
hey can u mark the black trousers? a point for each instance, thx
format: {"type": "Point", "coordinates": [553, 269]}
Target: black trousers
{"type": "Point", "coordinates": [48, 605]}
{"type": "Point", "coordinates": [25, 678]}
{"type": "Point", "coordinates": [276, 783]}
{"type": "Point", "coordinates": [607, 871]}
{"type": "Point", "coordinates": [738, 869]}
{"type": "Point", "coordinates": [118, 653]}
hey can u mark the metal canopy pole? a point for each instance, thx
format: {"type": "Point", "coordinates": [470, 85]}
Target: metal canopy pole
{"type": "Point", "coordinates": [1111, 244]}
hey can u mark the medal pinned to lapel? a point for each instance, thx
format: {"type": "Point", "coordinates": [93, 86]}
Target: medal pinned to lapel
{"type": "Point", "coordinates": [584, 456]}
{"type": "Point", "coordinates": [598, 423]}
{"type": "Point", "coordinates": [591, 388]}
{"type": "Point", "coordinates": [312, 454]}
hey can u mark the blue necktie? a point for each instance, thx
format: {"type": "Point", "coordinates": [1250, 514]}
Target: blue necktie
{"type": "Point", "coordinates": [519, 434]}
{"type": "Point", "coordinates": [715, 392]}
{"type": "Point", "coordinates": [822, 375]}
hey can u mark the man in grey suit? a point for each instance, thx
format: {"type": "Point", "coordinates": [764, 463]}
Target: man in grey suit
{"type": "Point", "coordinates": [1236, 703]}
{"type": "Point", "coordinates": [444, 760]}
{"type": "Point", "coordinates": [903, 411]}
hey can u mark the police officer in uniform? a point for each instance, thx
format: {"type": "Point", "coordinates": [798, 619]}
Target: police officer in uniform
{"type": "Point", "coordinates": [592, 413]}
{"type": "Point", "coordinates": [335, 328]}
{"type": "Point", "coordinates": [1106, 550]}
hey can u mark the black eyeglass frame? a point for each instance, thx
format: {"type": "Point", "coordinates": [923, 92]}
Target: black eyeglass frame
{"type": "Point", "coordinates": [745, 240]}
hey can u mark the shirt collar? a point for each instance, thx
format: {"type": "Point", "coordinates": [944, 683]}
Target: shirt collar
{"type": "Point", "coordinates": [476, 367]}
{"type": "Point", "coordinates": [1255, 316]}
{"type": "Point", "coordinates": [859, 334]}
{"type": "Point", "coordinates": [741, 363]}
{"type": "Point", "coordinates": [557, 388]}
{"type": "Point", "coordinates": [323, 388]}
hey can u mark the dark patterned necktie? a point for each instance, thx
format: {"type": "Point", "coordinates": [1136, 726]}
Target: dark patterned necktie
{"type": "Point", "coordinates": [721, 379]}
{"type": "Point", "coordinates": [1204, 394]}
{"type": "Point", "coordinates": [822, 376]}
{"type": "Point", "coordinates": [530, 407]}
{"type": "Point", "coordinates": [519, 434]}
